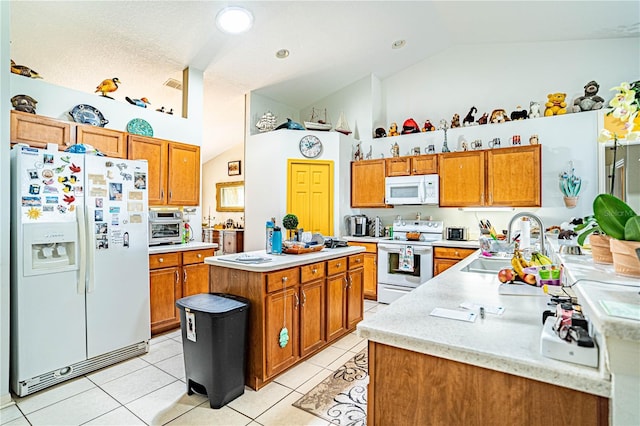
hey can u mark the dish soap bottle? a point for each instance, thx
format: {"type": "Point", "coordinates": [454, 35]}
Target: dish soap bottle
{"type": "Point", "coordinates": [276, 247]}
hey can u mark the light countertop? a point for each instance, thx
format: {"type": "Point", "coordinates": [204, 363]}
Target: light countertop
{"type": "Point", "coordinates": [509, 342]}
{"type": "Point", "coordinates": [281, 261]}
{"type": "Point", "coordinates": [192, 245]}
{"type": "Point", "coordinates": [365, 239]}
{"type": "Point", "coordinates": [464, 244]}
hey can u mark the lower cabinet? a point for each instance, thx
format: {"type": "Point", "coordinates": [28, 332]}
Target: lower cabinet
{"type": "Point", "coordinates": [233, 242]}
{"type": "Point", "coordinates": [445, 257]}
{"type": "Point", "coordinates": [316, 303]}
{"type": "Point", "coordinates": [172, 276]}
{"type": "Point", "coordinates": [370, 268]}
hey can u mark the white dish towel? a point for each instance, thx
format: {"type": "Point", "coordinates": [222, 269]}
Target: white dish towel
{"type": "Point", "coordinates": [406, 259]}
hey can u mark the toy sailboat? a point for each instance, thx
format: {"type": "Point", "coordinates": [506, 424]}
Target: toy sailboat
{"type": "Point", "coordinates": [343, 125]}
{"type": "Point", "coordinates": [267, 122]}
{"type": "Point", "coordinates": [316, 124]}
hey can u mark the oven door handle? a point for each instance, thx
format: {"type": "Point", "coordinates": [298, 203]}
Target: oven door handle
{"type": "Point", "coordinates": [397, 248]}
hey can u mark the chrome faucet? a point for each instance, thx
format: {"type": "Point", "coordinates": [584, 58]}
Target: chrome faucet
{"type": "Point", "coordinates": [534, 217]}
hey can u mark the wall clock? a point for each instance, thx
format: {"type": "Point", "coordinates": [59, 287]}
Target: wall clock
{"type": "Point", "coordinates": [310, 146]}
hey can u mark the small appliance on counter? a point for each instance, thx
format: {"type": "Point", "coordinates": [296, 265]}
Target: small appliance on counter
{"type": "Point", "coordinates": [165, 227]}
{"type": "Point", "coordinates": [457, 233]}
{"type": "Point", "coordinates": [332, 242]}
{"type": "Point", "coordinates": [357, 225]}
{"type": "Point", "coordinates": [375, 228]}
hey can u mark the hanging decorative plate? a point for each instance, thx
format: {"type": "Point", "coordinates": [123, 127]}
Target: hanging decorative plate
{"type": "Point", "coordinates": [138, 126]}
{"type": "Point", "coordinates": [86, 114]}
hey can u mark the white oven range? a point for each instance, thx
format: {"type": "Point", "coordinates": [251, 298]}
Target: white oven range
{"type": "Point", "coordinates": [404, 264]}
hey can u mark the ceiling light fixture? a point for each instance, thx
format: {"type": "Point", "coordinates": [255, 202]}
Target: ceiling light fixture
{"type": "Point", "coordinates": [282, 53]}
{"type": "Point", "coordinates": [234, 20]}
{"type": "Point", "coordinates": [398, 44]}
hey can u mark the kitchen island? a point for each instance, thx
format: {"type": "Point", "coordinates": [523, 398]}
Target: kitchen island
{"type": "Point", "coordinates": [298, 304]}
{"type": "Point", "coordinates": [432, 370]}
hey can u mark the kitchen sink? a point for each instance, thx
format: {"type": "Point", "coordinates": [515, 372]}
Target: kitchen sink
{"type": "Point", "coordinates": [487, 266]}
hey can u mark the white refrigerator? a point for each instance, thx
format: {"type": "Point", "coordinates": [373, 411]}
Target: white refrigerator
{"type": "Point", "coordinates": [79, 265]}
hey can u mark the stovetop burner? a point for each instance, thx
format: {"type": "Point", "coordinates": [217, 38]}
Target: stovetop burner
{"type": "Point", "coordinates": [429, 230]}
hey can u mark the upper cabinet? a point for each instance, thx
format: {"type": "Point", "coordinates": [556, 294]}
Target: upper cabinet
{"type": "Point", "coordinates": [37, 131]}
{"type": "Point", "coordinates": [367, 183]}
{"type": "Point", "coordinates": [174, 170]}
{"type": "Point", "coordinates": [505, 177]}
{"type": "Point", "coordinates": [112, 143]}
{"type": "Point", "coordinates": [414, 165]}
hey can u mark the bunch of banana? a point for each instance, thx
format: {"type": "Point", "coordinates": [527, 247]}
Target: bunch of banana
{"type": "Point", "coordinates": [519, 263]}
{"type": "Point", "coordinates": [539, 259]}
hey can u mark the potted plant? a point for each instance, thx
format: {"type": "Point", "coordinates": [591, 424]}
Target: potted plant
{"type": "Point", "coordinates": [600, 242]}
{"type": "Point", "coordinates": [616, 219]}
{"type": "Point", "coordinates": [290, 222]}
{"type": "Point", "coordinates": [570, 186]}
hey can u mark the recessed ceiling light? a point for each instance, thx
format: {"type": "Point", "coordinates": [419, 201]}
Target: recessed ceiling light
{"type": "Point", "coordinates": [398, 44]}
{"type": "Point", "coordinates": [234, 20]}
{"type": "Point", "coordinates": [282, 53]}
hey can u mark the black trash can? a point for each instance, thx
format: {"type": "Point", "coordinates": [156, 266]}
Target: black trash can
{"type": "Point", "coordinates": [214, 340]}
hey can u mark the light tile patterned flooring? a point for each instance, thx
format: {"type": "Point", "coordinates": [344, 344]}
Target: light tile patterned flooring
{"type": "Point", "coordinates": [151, 390]}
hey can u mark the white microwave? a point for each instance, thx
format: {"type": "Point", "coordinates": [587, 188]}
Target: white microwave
{"type": "Point", "coordinates": [418, 189]}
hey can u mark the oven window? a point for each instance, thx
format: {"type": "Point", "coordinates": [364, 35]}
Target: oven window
{"type": "Point", "coordinates": [165, 230]}
{"type": "Point", "coordinates": [409, 191]}
{"type": "Point", "coordinates": [394, 265]}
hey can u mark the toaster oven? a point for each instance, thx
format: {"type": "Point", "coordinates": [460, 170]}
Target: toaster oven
{"type": "Point", "coordinates": [165, 227]}
{"type": "Point", "coordinates": [457, 233]}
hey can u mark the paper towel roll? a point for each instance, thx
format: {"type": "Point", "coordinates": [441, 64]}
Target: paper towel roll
{"type": "Point", "coordinates": [525, 233]}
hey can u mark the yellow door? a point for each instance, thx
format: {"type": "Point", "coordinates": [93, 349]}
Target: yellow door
{"type": "Point", "coordinates": [310, 194]}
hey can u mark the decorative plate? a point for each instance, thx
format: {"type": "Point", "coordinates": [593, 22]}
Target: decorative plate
{"type": "Point", "coordinates": [86, 114]}
{"type": "Point", "coordinates": [138, 126]}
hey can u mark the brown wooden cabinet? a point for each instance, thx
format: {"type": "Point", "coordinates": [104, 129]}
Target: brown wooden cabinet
{"type": "Point", "coordinates": [172, 276]}
{"type": "Point", "coordinates": [370, 276]}
{"type": "Point", "coordinates": [367, 183]}
{"type": "Point", "coordinates": [174, 170]}
{"type": "Point", "coordinates": [497, 177]}
{"type": "Point", "coordinates": [445, 257]}
{"type": "Point", "coordinates": [232, 241]}
{"type": "Point", "coordinates": [302, 299]}
{"type": "Point", "coordinates": [412, 165]}
{"type": "Point", "coordinates": [37, 131]}
{"type": "Point", "coordinates": [111, 143]}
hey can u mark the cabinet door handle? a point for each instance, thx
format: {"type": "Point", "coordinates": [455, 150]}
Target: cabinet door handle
{"type": "Point", "coordinates": [185, 276]}
{"type": "Point", "coordinates": [162, 193]}
{"type": "Point", "coordinates": [170, 194]}
{"type": "Point", "coordinates": [457, 254]}
{"type": "Point", "coordinates": [314, 270]}
{"type": "Point", "coordinates": [284, 280]}
{"type": "Point", "coordinates": [350, 282]}
{"type": "Point", "coordinates": [177, 277]}
{"type": "Point", "coordinates": [304, 298]}
{"type": "Point", "coordinates": [160, 260]}
{"type": "Point", "coordinates": [297, 300]}
{"type": "Point", "coordinates": [346, 283]}
{"type": "Point", "coordinates": [199, 255]}
{"type": "Point", "coordinates": [338, 264]}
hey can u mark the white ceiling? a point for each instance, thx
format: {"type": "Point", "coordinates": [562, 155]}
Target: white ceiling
{"type": "Point", "coordinates": [77, 44]}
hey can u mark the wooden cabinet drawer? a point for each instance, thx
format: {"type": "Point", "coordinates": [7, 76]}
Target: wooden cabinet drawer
{"type": "Point", "coordinates": [452, 252]}
{"type": "Point", "coordinates": [195, 256]}
{"type": "Point", "coordinates": [311, 272]}
{"type": "Point", "coordinates": [282, 279]}
{"type": "Point", "coordinates": [369, 247]}
{"type": "Point", "coordinates": [335, 266]}
{"type": "Point", "coordinates": [356, 261]}
{"type": "Point", "coordinates": [164, 260]}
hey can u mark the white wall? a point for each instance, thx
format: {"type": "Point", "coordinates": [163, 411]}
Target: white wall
{"type": "Point", "coordinates": [5, 211]}
{"type": "Point", "coordinates": [215, 171]}
{"type": "Point", "coordinates": [266, 158]}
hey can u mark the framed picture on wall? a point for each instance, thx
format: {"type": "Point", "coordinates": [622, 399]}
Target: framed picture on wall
{"type": "Point", "coordinates": [233, 168]}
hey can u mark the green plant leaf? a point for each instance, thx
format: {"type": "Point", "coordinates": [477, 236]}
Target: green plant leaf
{"type": "Point", "coordinates": [584, 235]}
{"type": "Point", "coordinates": [632, 229]}
{"type": "Point", "coordinates": [612, 214]}
{"type": "Point", "coordinates": [290, 221]}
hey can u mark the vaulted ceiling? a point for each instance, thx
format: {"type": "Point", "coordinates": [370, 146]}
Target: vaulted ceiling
{"type": "Point", "coordinates": [77, 44]}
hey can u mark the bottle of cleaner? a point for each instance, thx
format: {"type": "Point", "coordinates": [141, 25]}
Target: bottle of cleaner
{"type": "Point", "coordinates": [269, 237]}
{"type": "Point", "coordinates": [276, 247]}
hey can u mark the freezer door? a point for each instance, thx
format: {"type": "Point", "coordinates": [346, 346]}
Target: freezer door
{"type": "Point", "coordinates": [118, 254]}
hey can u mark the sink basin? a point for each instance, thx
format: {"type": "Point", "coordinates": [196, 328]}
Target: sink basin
{"type": "Point", "coordinates": [487, 266]}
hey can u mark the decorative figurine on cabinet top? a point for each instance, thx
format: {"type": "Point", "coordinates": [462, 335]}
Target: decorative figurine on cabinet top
{"type": "Point", "coordinates": [142, 102]}
{"type": "Point", "coordinates": [380, 133]}
{"type": "Point", "coordinates": [498, 116]}
{"type": "Point", "coordinates": [556, 104]}
{"type": "Point", "coordinates": [410, 126]}
{"type": "Point", "coordinates": [109, 85]}
{"type": "Point", "coordinates": [469, 119]}
{"type": "Point", "coordinates": [428, 127]}
{"type": "Point", "coordinates": [455, 121]}
{"type": "Point", "coordinates": [534, 109]}
{"type": "Point", "coordinates": [519, 113]}
{"type": "Point", "coordinates": [369, 155]}
{"type": "Point", "coordinates": [23, 70]}
{"type": "Point", "coordinates": [533, 140]}
{"type": "Point", "coordinates": [444, 126]}
{"type": "Point", "coordinates": [267, 122]}
{"type": "Point", "coordinates": [590, 101]}
{"type": "Point", "coordinates": [483, 119]}
{"type": "Point", "coordinates": [357, 155]}
{"type": "Point", "coordinates": [393, 130]}
{"type": "Point", "coordinates": [395, 150]}
{"type": "Point", "coordinates": [291, 125]}
{"type": "Point", "coordinates": [24, 103]}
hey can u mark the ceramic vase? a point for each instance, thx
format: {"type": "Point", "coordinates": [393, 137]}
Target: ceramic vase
{"type": "Point", "coordinates": [601, 248]}
{"type": "Point", "coordinates": [570, 202]}
{"type": "Point", "coordinates": [625, 258]}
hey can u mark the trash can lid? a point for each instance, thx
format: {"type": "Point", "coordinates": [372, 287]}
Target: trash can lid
{"type": "Point", "coordinates": [212, 303]}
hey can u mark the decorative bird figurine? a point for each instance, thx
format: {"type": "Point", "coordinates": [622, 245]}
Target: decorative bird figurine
{"type": "Point", "coordinates": [170, 112]}
{"type": "Point", "coordinates": [161, 109]}
{"type": "Point", "coordinates": [107, 86]}
{"type": "Point", "coordinates": [23, 70]}
{"type": "Point", "coordinates": [142, 102]}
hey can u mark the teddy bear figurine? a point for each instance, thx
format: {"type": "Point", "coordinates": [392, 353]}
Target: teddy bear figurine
{"type": "Point", "coordinates": [455, 121]}
{"type": "Point", "coordinates": [498, 116]}
{"type": "Point", "coordinates": [556, 104]}
{"type": "Point", "coordinates": [428, 127]}
{"type": "Point", "coordinates": [393, 130]}
{"type": "Point", "coordinates": [534, 109]}
{"type": "Point", "coordinates": [590, 101]}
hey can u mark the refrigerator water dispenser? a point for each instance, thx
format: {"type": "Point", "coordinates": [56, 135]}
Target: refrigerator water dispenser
{"type": "Point", "coordinates": [50, 248]}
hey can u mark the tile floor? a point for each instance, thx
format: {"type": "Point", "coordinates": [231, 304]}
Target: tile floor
{"type": "Point", "coordinates": [151, 390]}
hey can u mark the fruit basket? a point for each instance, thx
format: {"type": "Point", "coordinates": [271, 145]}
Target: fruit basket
{"type": "Point", "coordinates": [546, 274]}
